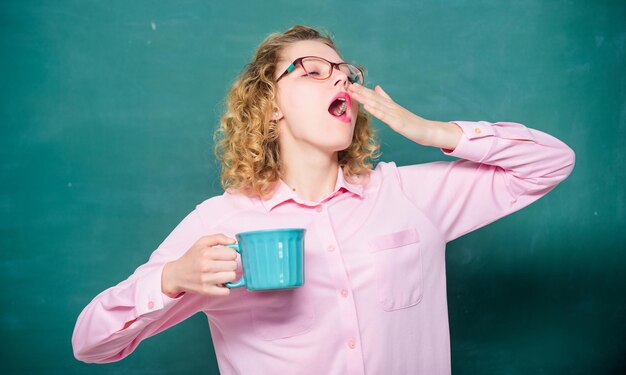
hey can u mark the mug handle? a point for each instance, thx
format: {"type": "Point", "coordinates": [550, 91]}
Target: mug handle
{"type": "Point", "coordinates": [241, 282]}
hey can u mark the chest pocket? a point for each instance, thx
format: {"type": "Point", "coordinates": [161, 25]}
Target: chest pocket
{"type": "Point", "coordinates": [281, 314]}
{"type": "Point", "coordinates": [397, 261]}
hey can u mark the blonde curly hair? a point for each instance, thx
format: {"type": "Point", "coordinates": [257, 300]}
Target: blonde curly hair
{"type": "Point", "coordinates": [246, 143]}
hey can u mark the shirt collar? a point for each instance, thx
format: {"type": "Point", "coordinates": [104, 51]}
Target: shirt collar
{"type": "Point", "coordinates": [283, 193]}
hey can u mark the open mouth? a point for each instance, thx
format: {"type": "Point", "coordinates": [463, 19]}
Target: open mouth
{"type": "Point", "coordinates": [339, 106]}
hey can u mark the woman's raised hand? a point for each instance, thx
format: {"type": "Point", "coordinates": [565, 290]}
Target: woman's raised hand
{"type": "Point", "coordinates": [380, 105]}
{"type": "Point", "coordinates": [444, 135]}
{"type": "Point", "coordinates": [202, 269]}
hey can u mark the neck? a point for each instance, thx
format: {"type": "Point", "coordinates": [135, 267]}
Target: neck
{"type": "Point", "coordinates": [310, 173]}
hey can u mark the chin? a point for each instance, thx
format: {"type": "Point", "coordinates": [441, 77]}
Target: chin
{"type": "Point", "coordinates": [342, 146]}
{"type": "Point", "coordinates": [331, 147]}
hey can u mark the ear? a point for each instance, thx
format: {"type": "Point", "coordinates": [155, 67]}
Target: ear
{"type": "Point", "coordinates": [277, 115]}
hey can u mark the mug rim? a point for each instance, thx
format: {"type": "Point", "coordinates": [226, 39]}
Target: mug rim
{"type": "Point", "coordinates": [270, 230]}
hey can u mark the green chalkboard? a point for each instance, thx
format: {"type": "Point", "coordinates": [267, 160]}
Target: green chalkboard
{"type": "Point", "coordinates": [108, 109]}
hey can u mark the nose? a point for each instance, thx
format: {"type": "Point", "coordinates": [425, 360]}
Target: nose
{"type": "Point", "coordinates": [340, 78]}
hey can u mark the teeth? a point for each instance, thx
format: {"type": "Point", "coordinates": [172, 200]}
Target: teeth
{"type": "Point", "coordinates": [342, 108]}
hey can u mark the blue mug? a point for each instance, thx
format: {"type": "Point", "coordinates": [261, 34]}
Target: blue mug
{"type": "Point", "coordinates": [270, 259]}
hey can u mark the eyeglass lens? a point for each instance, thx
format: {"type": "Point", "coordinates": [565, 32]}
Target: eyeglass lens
{"type": "Point", "coordinates": [320, 69]}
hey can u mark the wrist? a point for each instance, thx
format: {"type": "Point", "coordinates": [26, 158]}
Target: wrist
{"type": "Point", "coordinates": [168, 286]}
{"type": "Point", "coordinates": [419, 130]}
{"type": "Point", "coordinates": [445, 135]}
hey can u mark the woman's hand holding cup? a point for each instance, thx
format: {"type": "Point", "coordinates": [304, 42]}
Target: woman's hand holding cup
{"type": "Point", "coordinates": [202, 269]}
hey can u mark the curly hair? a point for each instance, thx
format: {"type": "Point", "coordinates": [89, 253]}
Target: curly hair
{"type": "Point", "coordinates": [246, 142]}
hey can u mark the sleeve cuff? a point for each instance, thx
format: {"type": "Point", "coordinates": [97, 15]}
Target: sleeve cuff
{"type": "Point", "coordinates": [476, 141]}
{"type": "Point", "coordinates": [148, 294]}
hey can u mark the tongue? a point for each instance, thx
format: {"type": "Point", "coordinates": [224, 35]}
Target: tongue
{"type": "Point", "coordinates": [334, 106]}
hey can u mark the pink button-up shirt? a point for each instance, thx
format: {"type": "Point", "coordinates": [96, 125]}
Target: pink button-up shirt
{"type": "Point", "coordinates": [374, 297]}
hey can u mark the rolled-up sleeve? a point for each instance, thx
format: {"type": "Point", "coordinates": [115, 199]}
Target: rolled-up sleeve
{"type": "Point", "coordinates": [504, 167]}
{"type": "Point", "coordinates": [118, 319]}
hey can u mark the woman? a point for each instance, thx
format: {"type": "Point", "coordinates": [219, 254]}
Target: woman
{"type": "Point", "coordinates": [296, 152]}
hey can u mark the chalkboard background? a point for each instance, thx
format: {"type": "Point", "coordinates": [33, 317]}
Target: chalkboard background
{"type": "Point", "coordinates": [108, 109]}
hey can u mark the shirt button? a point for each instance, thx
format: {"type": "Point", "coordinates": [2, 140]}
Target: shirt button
{"type": "Point", "coordinates": [318, 208]}
{"type": "Point", "coordinates": [477, 130]}
{"type": "Point", "coordinates": [151, 305]}
{"type": "Point", "coordinates": [344, 293]}
{"type": "Point", "coordinates": [331, 248]}
{"type": "Point", "coordinates": [351, 343]}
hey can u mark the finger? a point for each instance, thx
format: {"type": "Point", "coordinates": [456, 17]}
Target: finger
{"type": "Point", "coordinates": [389, 115]}
{"type": "Point", "coordinates": [223, 277]}
{"type": "Point", "coordinates": [378, 103]}
{"type": "Point", "coordinates": [366, 91]}
{"type": "Point", "coordinates": [215, 239]}
{"type": "Point", "coordinates": [376, 112]}
{"type": "Point", "coordinates": [216, 290]}
{"type": "Point", "coordinates": [355, 88]}
{"type": "Point", "coordinates": [361, 90]}
{"type": "Point", "coordinates": [220, 266]}
{"type": "Point", "coordinates": [367, 96]}
{"type": "Point", "coordinates": [220, 253]}
{"type": "Point", "coordinates": [382, 92]}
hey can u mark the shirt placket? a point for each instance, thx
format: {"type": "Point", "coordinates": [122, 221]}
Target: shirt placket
{"type": "Point", "coordinates": [343, 290]}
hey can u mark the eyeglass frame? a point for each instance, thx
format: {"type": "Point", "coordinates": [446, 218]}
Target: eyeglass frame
{"type": "Point", "coordinates": [297, 61]}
